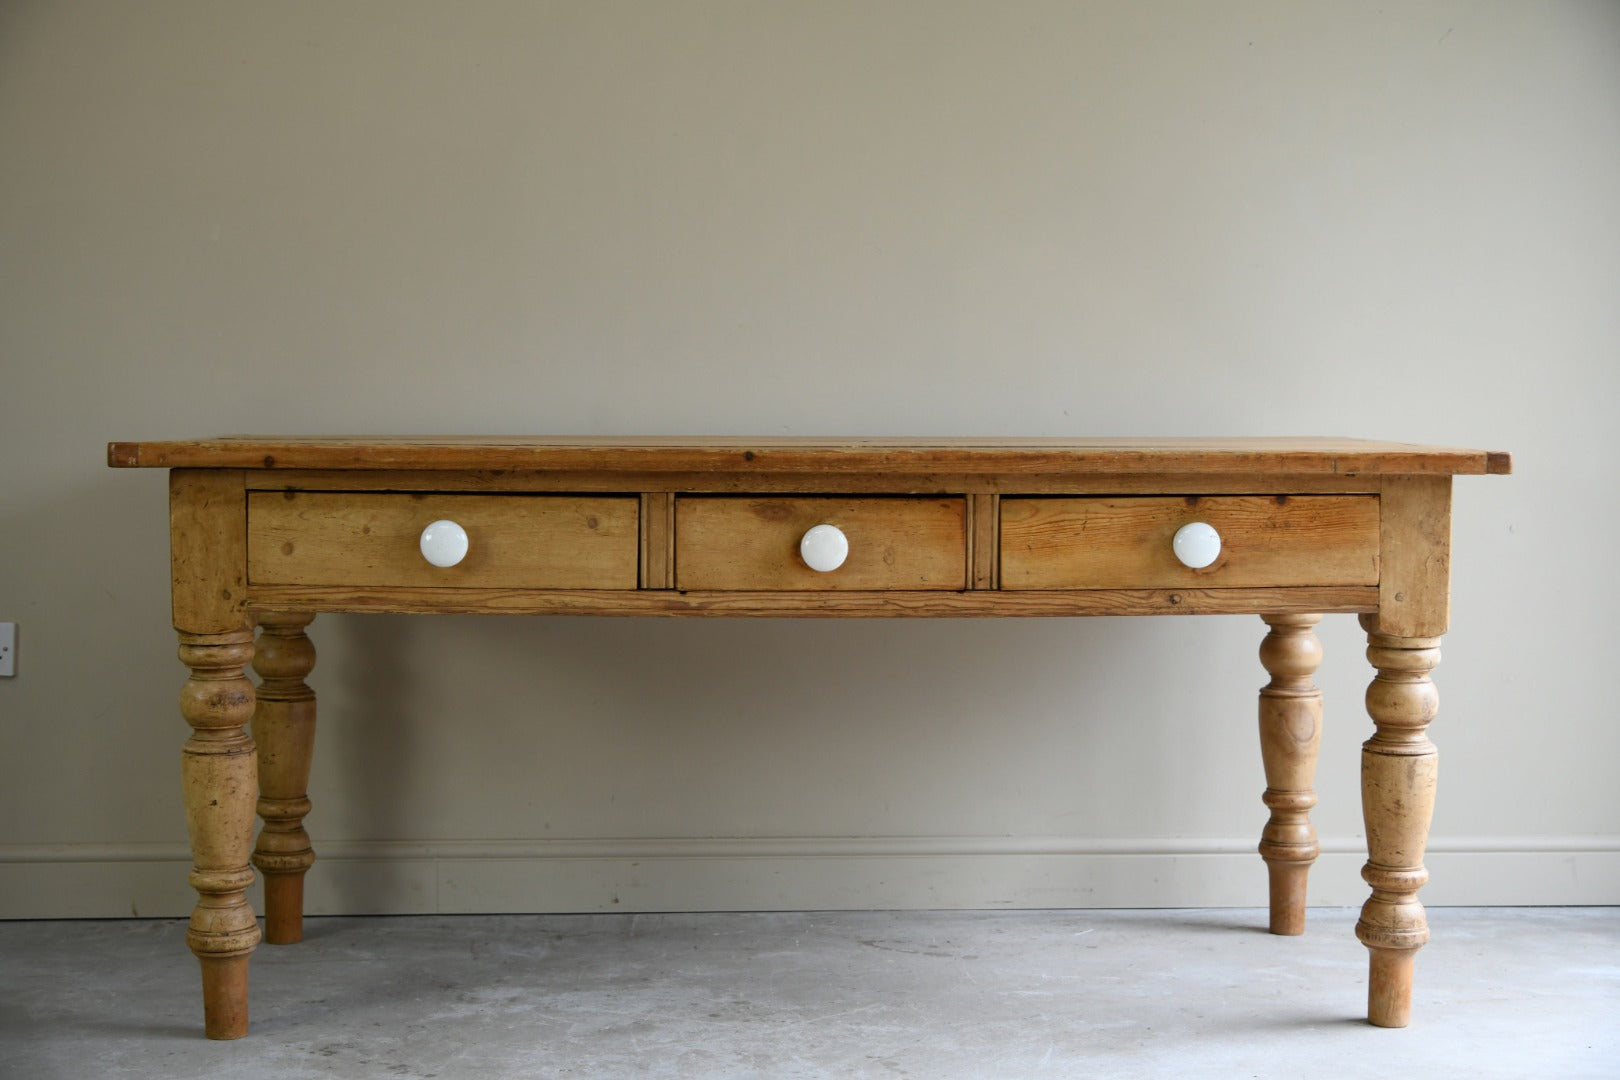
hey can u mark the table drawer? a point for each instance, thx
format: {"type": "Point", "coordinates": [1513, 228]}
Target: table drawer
{"type": "Point", "coordinates": [753, 543]}
{"type": "Point", "coordinates": [514, 541]}
{"type": "Point", "coordinates": [1125, 543]}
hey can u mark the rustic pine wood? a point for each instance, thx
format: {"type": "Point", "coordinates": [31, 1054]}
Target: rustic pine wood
{"type": "Point", "coordinates": [284, 528]}
{"type": "Point", "coordinates": [1398, 772]}
{"type": "Point", "coordinates": [818, 603]}
{"type": "Point", "coordinates": [1117, 543]}
{"type": "Point", "coordinates": [1414, 596]}
{"type": "Point", "coordinates": [219, 778]}
{"type": "Point", "coordinates": [218, 766]}
{"type": "Point", "coordinates": [985, 557]}
{"type": "Point", "coordinates": [1290, 736]}
{"type": "Point", "coordinates": [516, 541]}
{"type": "Point", "coordinates": [208, 534]}
{"type": "Point", "coordinates": [1399, 763]}
{"type": "Point", "coordinates": [284, 729]}
{"type": "Point", "coordinates": [657, 540]}
{"type": "Point", "coordinates": [758, 454]}
{"type": "Point", "coordinates": [741, 543]}
{"type": "Point", "coordinates": [749, 481]}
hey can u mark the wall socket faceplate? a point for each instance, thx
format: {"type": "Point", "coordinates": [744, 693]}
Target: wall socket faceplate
{"type": "Point", "coordinates": [8, 649]}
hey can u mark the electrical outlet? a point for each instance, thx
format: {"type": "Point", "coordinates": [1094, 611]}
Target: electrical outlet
{"type": "Point", "coordinates": [8, 649]}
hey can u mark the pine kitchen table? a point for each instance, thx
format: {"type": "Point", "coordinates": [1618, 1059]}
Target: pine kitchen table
{"type": "Point", "coordinates": [267, 532]}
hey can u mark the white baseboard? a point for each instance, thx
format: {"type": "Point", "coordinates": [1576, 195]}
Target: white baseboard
{"type": "Point", "coordinates": [771, 874]}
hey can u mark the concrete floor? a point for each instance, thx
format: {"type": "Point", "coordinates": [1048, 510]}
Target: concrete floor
{"type": "Point", "coordinates": [1114, 994]}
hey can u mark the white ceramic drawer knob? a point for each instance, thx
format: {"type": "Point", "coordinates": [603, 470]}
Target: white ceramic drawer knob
{"type": "Point", "coordinates": [444, 543]}
{"type": "Point", "coordinates": [1197, 544]}
{"type": "Point", "coordinates": [824, 548]}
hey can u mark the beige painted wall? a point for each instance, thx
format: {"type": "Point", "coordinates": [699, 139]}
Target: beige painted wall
{"type": "Point", "coordinates": [809, 218]}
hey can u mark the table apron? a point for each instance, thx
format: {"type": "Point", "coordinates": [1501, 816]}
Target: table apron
{"type": "Point", "coordinates": [851, 604]}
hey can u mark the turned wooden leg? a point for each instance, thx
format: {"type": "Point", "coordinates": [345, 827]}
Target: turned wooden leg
{"type": "Point", "coordinates": [1398, 769]}
{"type": "Point", "coordinates": [284, 729]}
{"type": "Point", "coordinates": [1290, 735]}
{"type": "Point", "coordinates": [218, 770]}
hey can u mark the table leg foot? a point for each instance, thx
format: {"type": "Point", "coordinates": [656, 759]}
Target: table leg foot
{"type": "Point", "coordinates": [1389, 987]}
{"type": "Point", "coordinates": [1290, 737]}
{"type": "Point", "coordinates": [225, 996]}
{"type": "Point", "coordinates": [283, 909]}
{"type": "Point", "coordinates": [1287, 897]}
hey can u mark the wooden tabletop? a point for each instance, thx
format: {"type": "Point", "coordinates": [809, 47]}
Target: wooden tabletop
{"type": "Point", "coordinates": [1293, 456]}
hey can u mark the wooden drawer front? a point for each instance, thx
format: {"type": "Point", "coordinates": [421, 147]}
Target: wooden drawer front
{"type": "Point", "coordinates": [514, 541]}
{"type": "Point", "coordinates": [753, 543]}
{"type": "Point", "coordinates": [1125, 543]}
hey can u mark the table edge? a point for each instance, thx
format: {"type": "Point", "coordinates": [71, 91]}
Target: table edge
{"type": "Point", "coordinates": [743, 454]}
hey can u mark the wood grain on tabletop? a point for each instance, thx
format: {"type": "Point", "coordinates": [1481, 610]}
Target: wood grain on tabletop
{"type": "Point", "coordinates": [1331, 456]}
